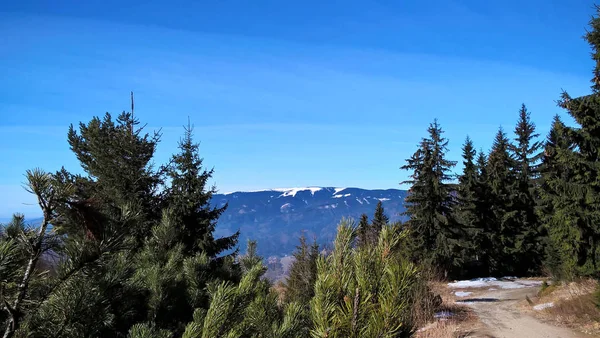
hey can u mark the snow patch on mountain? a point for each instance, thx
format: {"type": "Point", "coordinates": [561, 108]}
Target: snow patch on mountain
{"type": "Point", "coordinates": [330, 206]}
{"type": "Point", "coordinates": [359, 201]}
{"type": "Point", "coordinates": [340, 196]}
{"type": "Point", "coordinates": [285, 207]}
{"type": "Point", "coordinates": [286, 191]}
{"type": "Point", "coordinates": [336, 190]}
{"type": "Point", "coordinates": [293, 191]}
{"type": "Point", "coordinates": [383, 199]}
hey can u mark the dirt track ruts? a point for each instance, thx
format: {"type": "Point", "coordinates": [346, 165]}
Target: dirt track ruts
{"type": "Point", "coordinates": [498, 311]}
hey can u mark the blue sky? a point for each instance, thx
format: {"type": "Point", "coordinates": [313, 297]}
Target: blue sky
{"type": "Point", "coordinates": [310, 93]}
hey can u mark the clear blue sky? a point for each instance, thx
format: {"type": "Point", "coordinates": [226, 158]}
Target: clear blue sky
{"type": "Point", "coordinates": [326, 93]}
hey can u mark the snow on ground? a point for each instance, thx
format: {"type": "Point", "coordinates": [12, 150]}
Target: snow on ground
{"type": "Point", "coordinates": [443, 315]}
{"type": "Point", "coordinates": [531, 282]}
{"type": "Point", "coordinates": [543, 306]}
{"type": "Point", "coordinates": [383, 199]}
{"type": "Point", "coordinates": [340, 196]}
{"type": "Point", "coordinates": [493, 282]}
{"type": "Point", "coordinates": [462, 293]}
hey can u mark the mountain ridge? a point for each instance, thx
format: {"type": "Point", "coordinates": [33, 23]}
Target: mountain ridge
{"type": "Point", "coordinates": [277, 217]}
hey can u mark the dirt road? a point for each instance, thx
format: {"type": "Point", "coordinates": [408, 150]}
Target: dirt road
{"type": "Point", "coordinates": [498, 311]}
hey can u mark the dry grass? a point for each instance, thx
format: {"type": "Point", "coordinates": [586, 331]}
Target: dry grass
{"type": "Point", "coordinates": [574, 306]}
{"type": "Point", "coordinates": [462, 323]}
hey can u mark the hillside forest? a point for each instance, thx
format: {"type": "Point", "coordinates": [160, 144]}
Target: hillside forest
{"type": "Point", "coordinates": [127, 249]}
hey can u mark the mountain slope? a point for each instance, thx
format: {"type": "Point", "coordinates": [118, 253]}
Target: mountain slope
{"type": "Point", "coordinates": [276, 218]}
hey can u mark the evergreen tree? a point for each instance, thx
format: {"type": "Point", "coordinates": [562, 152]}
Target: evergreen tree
{"type": "Point", "coordinates": [300, 283]}
{"type": "Point", "coordinates": [180, 257]}
{"type": "Point", "coordinates": [189, 198]}
{"type": "Point", "coordinates": [559, 209]}
{"type": "Point", "coordinates": [486, 237]}
{"type": "Point", "coordinates": [363, 230]}
{"type": "Point", "coordinates": [246, 309]}
{"type": "Point", "coordinates": [573, 173]}
{"type": "Point", "coordinates": [380, 219]}
{"type": "Point", "coordinates": [466, 211]}
{"type": "Point", "coordinates": [529, 238]}
{"type": "Point", "coordinates": [364, 291]}
{"type": "Point", "coordinates": [116, 157]}
{"type": "Point", "coordinates": [501, 178]}
{"type": "Point", "coordinates": [435, 235]}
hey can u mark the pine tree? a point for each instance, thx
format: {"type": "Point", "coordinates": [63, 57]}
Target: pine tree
{"type": "Point", "coordinates": [246, 309]}
{"type": "Point", "coordinates": [364, 291]}
{"type": "Point", "coordinates": [524, 193]}
{"type": "Point", "coordinates": [435, 235]}
{"type": "Point", "coordinates": [300, 283]}
{"type": "Point", "coordinates": [116, 157]}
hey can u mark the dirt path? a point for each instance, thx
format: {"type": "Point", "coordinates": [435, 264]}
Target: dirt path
{"type": "Point", "coordinates": [498, 311]}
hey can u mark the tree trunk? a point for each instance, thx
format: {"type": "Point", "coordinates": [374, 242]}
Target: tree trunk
{"type": "Point", "coordinates": [13, 322]}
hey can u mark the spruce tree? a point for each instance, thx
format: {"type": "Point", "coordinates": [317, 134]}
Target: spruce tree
{"type": "Point", "coordinates": [189, 197]}
{"type": "Point", "coordinates": [559, 209]}
{"type": "Point", "coordinates": [466, 212]}
{"type": "Point", "coordinates": [486, 237]}
{"type": "Point", "coordinates": [575, 229]}
{"type": "Point", "coordinates": [181, 257]}
{"type": "Point", "coordinates": [435, 235]}
{"type": "Point", "coordinates": [363, 230]}
{"type": "Point", "coordinates": [501, 178]}
{"type": "Point", "coordinates": [380, 219]}
{"type": "Point", "coordinates": [300, 283]}
{"type": "Point", "coordinates": [529, 239]}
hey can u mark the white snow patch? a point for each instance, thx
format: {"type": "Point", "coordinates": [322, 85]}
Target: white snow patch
{"type": "Point", "coordinates": [383, 199]}
{"type": "Point", "coordinates": [338, 190]}
{"type": "Point", "coordinates": [462, 293]}
{"type": "Point", "coordinates": [340, 196]}
{"type": "Point", "coordinates": [285, 207]}
{"type": "Point", "coordinates": [359, 201]}
{"type": "Point", "coordinates": [293, 191]}
{"type": "Point", "coordinates": [366, 201]}
{"type": "Point", "coordinates": [286, 191]}
{"type": "Point", "coordinates": [493, 282]}
{"type": "Point", "coordinates": [543, 306]}
{"type": "Point", "coordinates": [443, 315]}
{"type": "Point", "coordinates": [346, 202]}
{"type": "Point", "coordinates": [531, 282]}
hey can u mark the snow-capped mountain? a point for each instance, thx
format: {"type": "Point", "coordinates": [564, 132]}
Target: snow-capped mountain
{"type": "Point", "coordinates": [276, 218]}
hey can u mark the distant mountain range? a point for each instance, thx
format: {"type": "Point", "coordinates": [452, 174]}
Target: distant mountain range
{"type": "Point", "coordinates": [276, 218]}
